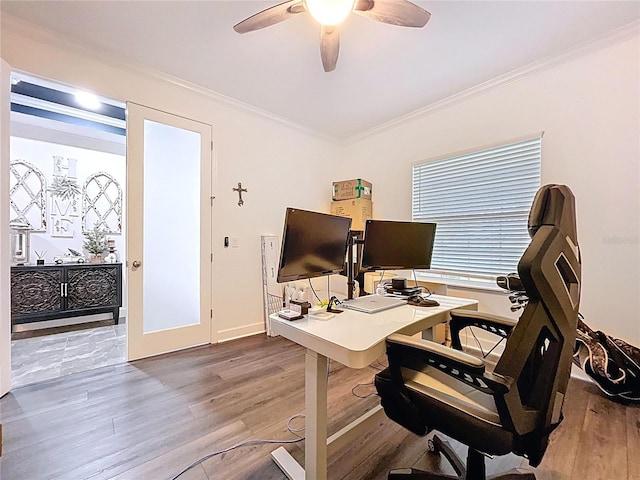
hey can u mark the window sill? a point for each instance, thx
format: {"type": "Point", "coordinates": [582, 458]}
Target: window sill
{"type": "Point", "coordinates": [475, 284]}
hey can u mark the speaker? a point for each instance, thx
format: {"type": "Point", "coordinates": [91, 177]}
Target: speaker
{"type": "Point", "coordinates": [398, 283]}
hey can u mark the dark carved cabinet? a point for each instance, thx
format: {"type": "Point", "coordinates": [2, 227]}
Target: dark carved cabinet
{"type": "Point", "coordinates": [58, 291]}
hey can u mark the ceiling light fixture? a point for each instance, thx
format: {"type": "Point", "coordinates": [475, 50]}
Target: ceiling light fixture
{"type": "Point", "coordinates": [88, 100]}
{"type": "Point", "coordinates": [329, 12]}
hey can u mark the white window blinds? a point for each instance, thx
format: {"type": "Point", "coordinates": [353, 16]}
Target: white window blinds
{"type": "Point", "coordinates": [480, 202]}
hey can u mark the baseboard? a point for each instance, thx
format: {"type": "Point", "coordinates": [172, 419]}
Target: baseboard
{"type": "Point", "coordinates": [239, 332]}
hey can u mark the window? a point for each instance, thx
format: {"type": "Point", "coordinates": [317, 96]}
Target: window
{"type": "Point", "coordinates": [481, 202]}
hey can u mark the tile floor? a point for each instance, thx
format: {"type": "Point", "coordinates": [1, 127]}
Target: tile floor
{"type": "Point", "coordinates": [41, 358]}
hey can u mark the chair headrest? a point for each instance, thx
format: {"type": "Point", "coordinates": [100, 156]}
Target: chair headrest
{"type": "Point", "coordinates": [554, 205]}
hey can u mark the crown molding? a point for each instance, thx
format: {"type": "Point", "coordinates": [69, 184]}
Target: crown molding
{"type": "Point", "coordinates": [616, 36]}
{"type": "Point", "coordinates": [58, 40]}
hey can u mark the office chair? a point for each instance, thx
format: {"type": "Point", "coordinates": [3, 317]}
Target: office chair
{"type": "Point", "coordinates": [514, 403]}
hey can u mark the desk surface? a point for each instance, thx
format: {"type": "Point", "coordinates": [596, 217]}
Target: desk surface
{"type": "Point", "coordinates": [356, 339]}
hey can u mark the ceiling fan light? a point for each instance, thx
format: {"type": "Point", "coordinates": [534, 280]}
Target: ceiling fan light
{"type": "Point", "coordinates": [329, 12]}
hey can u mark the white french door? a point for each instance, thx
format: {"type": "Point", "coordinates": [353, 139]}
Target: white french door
{"type": "Point", "coordinates": [5, 256]}
{"type": "Point", "coordinates": [169, 232]}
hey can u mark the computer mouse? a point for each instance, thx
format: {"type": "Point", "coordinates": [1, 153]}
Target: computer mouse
{"type": "Point", "coordinates": [420, 301]}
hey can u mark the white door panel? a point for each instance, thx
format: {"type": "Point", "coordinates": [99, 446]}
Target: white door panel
{"type": "Point", "coordinates": [169, 232]}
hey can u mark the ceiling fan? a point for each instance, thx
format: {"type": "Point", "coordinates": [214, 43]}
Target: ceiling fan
{"type": "Point", "coordinates": [330, 13]}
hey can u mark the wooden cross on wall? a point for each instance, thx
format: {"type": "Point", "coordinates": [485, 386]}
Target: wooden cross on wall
{"type": "Point", "coordinates": [240, 190]}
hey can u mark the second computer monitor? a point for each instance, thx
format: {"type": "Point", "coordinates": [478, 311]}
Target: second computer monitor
{"type": "Point", "coordinates": [391, 245]}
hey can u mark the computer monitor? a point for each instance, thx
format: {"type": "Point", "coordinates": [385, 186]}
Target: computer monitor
{"type": "Point", "coordinates": [391, 245]}
{"type": "Point", "coordinates": [313, 244]}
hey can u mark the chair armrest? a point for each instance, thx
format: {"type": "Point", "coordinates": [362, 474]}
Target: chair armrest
{"type": "Point", "coordinates": [492, 323]}
{"type": "Point", "coordinates": [418, 354]}
{"type": "Point", "coordinates": [440, 352]}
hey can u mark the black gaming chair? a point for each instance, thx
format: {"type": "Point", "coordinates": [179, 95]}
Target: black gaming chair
{"type": "Point", "coordinates": [513, 404]}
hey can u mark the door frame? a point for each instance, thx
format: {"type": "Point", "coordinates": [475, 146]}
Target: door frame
{"type": "Point", "coordinates": [5, 251]}
{"type": "Point", "coordinates": [139, 343]}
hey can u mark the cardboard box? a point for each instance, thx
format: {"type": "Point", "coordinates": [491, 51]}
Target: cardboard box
{"type": "Point", "coordinates": [359, 211]}
{"type": "Point", "coordinates": [351, 189]}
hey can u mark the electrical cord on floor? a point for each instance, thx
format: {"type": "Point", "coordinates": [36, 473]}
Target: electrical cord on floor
{"type": "Point", "coordinates": [295, 430]}
{"type": "Point", "coordinates": [246, 443]}
{"type": "Point", "coordinates": [375, 367]}
{"type": "Point", "coordinates": [381, 367]}
{"type": "Point", "coordinates": [353, 390]}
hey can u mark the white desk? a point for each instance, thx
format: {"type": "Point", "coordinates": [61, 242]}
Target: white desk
{"type": "Point", "coordinates": [354, 339]}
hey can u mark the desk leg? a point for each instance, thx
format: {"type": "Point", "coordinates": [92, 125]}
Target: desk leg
{"type": "Point", "coordinates": [315, 449]}
{"type": "Point", "coordinates": [440, 332]}
{"type": "Point", "coordinates": [437, 333]}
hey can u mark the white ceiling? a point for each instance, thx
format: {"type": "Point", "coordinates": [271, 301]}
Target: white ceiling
{"type": "Point", "coordinates": [383, 71]}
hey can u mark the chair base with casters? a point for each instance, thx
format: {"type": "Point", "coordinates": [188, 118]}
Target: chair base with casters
{"type": "Point", "coordinates": [474, 469]}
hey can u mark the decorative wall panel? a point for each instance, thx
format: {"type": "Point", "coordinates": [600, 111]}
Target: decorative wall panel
{"type": "Point", "coordinates": [102, 204]}
{"type": "Point", "coordinates": [27, 200]}
{"type": "Point", "coordinates": [65, 197]}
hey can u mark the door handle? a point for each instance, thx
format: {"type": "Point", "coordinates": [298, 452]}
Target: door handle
{"type": "Point", "coordinates": [136, 263]}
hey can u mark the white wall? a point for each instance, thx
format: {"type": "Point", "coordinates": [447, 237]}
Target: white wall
{"type": "Point", "coordinates": [589, 110]}
{"type": "Point", "coordinates": [40, 155]}
{"type": "Point", "coordinates": [279, 164]}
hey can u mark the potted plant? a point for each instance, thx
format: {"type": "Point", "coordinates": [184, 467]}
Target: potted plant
{"type": "Point", "coordinates": [95, 243]}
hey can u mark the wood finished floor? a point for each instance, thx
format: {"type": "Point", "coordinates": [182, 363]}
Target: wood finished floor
{"type": "Point", "coordinates": [149, 419]}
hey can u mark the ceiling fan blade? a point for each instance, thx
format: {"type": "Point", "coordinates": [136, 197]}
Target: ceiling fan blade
{"type": "Point", "coordinates": [394, 12]}
{"type": "Point", "coordinates": [270, 16]}
{"type": "Point", "coordinates": [329, 47]}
